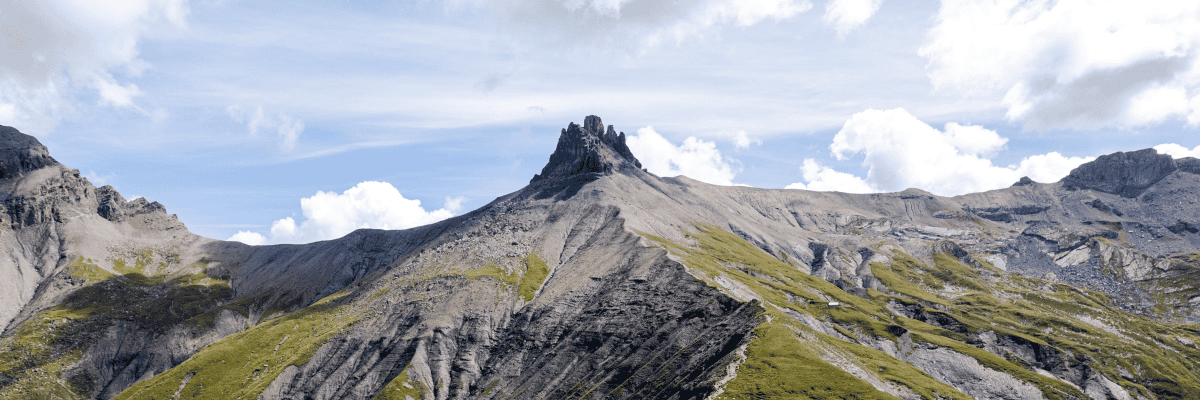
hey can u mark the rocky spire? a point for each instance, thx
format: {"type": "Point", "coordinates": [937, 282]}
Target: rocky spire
{"type": "Point", "coordinates": [588, 152]}
{"type": "Point", "coordinates": [21, 153]}
{"type": "Point", "coordinates": [1123, 173]}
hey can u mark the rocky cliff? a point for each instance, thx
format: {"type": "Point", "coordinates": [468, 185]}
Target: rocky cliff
{"type": "Point", "coordinates": [601, 280]}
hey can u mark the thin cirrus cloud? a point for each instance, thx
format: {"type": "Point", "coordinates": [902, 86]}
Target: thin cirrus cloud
{"type": "Point", "coordinates": [330, 215]}
{"type": "Point", "coordinates": [900, 152]}
{"type": "Point", "coordinates": [1073, 63]}
{"type": "Point", "coordinates": [637, 23]}
{"type": "Point", "coordinates": [695, 158]}
{"type": "Point", "coordinates": [845, 15]}
{"type": "Point", "coordinates": [52, 49]}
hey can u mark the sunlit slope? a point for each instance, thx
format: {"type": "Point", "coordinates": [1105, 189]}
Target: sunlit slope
{"type": "Point", "coordinates": [954, 322]}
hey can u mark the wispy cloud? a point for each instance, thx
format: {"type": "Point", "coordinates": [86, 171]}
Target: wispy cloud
{"type": "Point", "coordinates": [287, 128]}
{"type": "Point", "coordinates": [54, 48]}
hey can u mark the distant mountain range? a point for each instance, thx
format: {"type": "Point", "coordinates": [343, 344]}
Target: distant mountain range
{"type": "Point", "coordinates": [600, 280]}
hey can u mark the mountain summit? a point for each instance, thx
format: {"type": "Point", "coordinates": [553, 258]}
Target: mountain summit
{"type": "Point", "coordinates": [21, 153]}
{"type": "Point", "coordinates": [1127, 173]}
{"type": "Point", "coordinates": [588, 152]}
{"type": "Point", "coordinates": [639, 287]}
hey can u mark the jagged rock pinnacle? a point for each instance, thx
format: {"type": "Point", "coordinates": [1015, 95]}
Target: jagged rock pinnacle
{"type": "Point", "coordinates": [1123, 173]}
{"type": "Point", "coordinates": [21, 153]}
{"type": "Point", "coordinates": [588, 152]}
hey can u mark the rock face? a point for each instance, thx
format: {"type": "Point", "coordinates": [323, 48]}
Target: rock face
{"type": "Point", "coordinates": [601, 280]}
{"type": "Point", "coordinates": [21, 153]}
{"type": "Point", "coordinates": [1123, 173]}
{"type": "Point", "coordinates": [588, 152]}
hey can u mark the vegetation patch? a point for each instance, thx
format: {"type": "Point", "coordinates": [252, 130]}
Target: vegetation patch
{"type": "Point", "coordinates": [778, 366]}
{"type": "Point", "coordinates": [527, 284]}
{"type": "Point", "coordinates": [401, 388]}
{"type": "Point", "coordinates": [536, 272]}
{"type": "Point", "coordinates": [34, 357]}
{"type": "Point", "coordinates": [86, 269]}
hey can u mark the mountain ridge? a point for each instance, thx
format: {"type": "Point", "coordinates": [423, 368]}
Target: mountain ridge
{"type": "Point", "coordinates": [600, 279]}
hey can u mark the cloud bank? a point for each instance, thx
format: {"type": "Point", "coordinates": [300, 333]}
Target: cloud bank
{"type": "Point", "coordinates": [1072, 63]}
{"type": "Point", "coordinates": [694, 158]}
{"type": "Point", "coordinates": [329, 215]}
{"type": "Point", "coordinates": [900, 152]}
{"type": "Point", "coordinates": [53, 48]}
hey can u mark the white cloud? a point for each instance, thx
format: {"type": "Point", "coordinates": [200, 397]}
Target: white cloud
{"type": "Point", "coordinates": [903, 152]}
{"type": "Point", "coordinates": [329, 215]}
{"type": "Point", "coordinates": [694, 158]}
{"type": "Point", "coordinates": [742, 140]}
{"type": "Point", "coordinates": [845, 15]}
{"type": "Point", "coordinates": [53, 48]}
{"type": "Point", "coordinates": [825, 179]}
{"type": "Point", "coordinates": [1178, 151]}
{"type": "Point", "coordinates": [250, 238]}
{"type": "Point", "coordinates": [640, 23]}
{"type": "Point", "coordinates": [1072, 63]}
{"type": "Point", "coordinates": [288, 129]}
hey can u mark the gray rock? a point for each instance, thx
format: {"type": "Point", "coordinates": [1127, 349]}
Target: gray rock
{"type": "Point", "coordinates": [1124, 173]}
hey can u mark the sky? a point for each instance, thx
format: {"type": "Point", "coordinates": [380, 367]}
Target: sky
{"type": "Point", "coordinates": [291, 123]}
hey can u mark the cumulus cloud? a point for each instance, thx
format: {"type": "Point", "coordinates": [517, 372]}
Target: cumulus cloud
{"type": "Point", "coordinates": [1075, 64]}
{"type": "Point", "coordinates": [694, 158]}
{"type": "Point", "coordinates": [825, 179]}
{"type": "Point", "coordinates": [638, 22]}
{"type": "Point", "coordinates": [845, 15]}
{"type": "Point", "coordinates": [1178, 151]}
{"type": "Point", "coordinates": [330, 215]}
{"type": "Point", "coordinates": [54, 48]}
{"type": "Point", "coordinates": [901, 152]}
{"type": "Point", "coordinates": [248, 237]}
{"type": "Point", "coordinates": [287, 129]}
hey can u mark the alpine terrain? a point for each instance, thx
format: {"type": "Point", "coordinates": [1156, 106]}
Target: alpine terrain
{"type": "Point", "coordinates": [600, 280]}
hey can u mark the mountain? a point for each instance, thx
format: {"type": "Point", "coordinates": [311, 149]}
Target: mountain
{"type": "Point", "coordinates": [602, 280]}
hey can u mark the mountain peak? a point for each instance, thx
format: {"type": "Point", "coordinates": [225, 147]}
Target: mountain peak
{"type": "Point", "coordinates": [21, 153]}
{"type": "Point", "coordinates": [588, 152]}
{"type": "Point", "coordinates": [1123, 173]}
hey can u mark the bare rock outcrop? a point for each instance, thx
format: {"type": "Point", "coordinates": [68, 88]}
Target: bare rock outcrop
{"type": "Point", "coordinates": [1123, 173]}
{"type": "Point", "coordinates": [588, 152]}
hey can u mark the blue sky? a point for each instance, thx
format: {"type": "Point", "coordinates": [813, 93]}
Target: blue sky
{"type": "Point", "coordinates": [296, 122]}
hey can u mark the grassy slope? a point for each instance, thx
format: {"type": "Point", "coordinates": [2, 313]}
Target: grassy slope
{"type": "Point", "coordinates": [401, 388]}
{"type": "Point", "coordinates": [1116, 343]}
{"type": "Point", "coordinates": [244, 364]}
